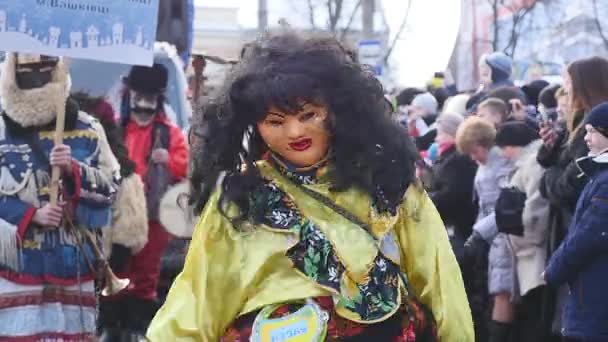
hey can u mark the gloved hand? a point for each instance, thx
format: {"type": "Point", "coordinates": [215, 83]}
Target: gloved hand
{"type": "Point", "coordinates": [474, 245]}
{"type": "Point", "coordinates": [119, 261]}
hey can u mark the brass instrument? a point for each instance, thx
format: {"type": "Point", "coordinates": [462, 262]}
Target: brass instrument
{"type": "Point", "coordinates": [113, 284]}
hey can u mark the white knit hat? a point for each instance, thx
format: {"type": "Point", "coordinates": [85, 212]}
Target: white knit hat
{"type": "Point", "coordinates": [427, 102]}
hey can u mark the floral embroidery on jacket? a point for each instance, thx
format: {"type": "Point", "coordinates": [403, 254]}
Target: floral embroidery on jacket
{"type": "Point", "coordinates": [315, 257]}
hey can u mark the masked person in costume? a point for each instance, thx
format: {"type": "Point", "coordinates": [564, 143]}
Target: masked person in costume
{"type": "Point", "coordinates": [128, 232]}
{"type": "Point", "coordinates": [318, 229]}
{"type": "Point", "coordinates": [158, 149]}
{"type": "Point", "coordinates": [47, 268]}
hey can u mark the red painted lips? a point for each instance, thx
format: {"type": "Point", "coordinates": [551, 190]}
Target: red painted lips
{"type": "Point", "coordinates": [301, 145]}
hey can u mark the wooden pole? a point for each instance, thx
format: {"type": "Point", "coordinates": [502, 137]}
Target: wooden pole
{"type": "Point", "coordinates": [58, 140]}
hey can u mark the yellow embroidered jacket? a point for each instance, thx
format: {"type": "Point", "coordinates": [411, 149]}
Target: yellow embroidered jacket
{"type": "Point", "coordinates": [232, 271]}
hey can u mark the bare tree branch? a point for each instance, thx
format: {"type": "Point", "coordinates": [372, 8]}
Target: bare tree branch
{"type": "Point", "coordinates": [399, 32]}
{"type": "Point", "coordinates": [311, 15]}
{"type": "Point", "coordinates": [598, 24]}
{"type": "Point", "coordinates": [350, 20]}
{"type": "Point", "coordinates": [334, 9]}
{"type": "Point", "coordinates": [518, 16]}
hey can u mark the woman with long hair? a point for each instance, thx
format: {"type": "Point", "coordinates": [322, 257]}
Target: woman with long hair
{"type": "Point", "coordinates": [313, 226]}
{"type": "Point", "coordinates": [585, 85]}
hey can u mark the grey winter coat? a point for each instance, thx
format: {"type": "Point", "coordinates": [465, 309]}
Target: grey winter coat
{"type": "Point", "coordinates": [530, 250]}
{"type": "Point", "coordinates": [490, 178]}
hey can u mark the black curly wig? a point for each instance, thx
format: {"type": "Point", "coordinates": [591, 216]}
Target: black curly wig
{"type": "Point", "coordinates": [369, 150]}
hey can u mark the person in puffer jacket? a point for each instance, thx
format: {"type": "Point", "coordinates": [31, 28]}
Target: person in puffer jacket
{"type": "Point", "coordinates": [581, 261]}
{"type": "Point", "coordinates": [476, 137]}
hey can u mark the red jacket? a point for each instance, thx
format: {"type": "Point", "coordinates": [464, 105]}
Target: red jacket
{"type": "Point", "coordinates": [139, 142]}
{"type": "Point", "coordinates": [144, 267]}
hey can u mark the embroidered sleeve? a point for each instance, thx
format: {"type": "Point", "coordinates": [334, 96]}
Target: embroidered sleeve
{"type": "Point", "coordinates": [94, 184]}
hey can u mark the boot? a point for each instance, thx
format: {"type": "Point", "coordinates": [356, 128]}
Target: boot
{"type": "Point", "coordinates": [112, 319]}
{"type": "Point", "coordinates": [499, 332]}
{"type": "Point", "coordinates": [141, 313]}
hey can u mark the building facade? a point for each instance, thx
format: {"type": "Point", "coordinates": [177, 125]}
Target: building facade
{"type": "Point", "coordinates": [549, 36]}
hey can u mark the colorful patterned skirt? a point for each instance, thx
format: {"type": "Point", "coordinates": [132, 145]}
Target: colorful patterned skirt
{"type": "Point", "coordinates": [32, 313]}
{"type": "Point", "coordinates": [417, 326]}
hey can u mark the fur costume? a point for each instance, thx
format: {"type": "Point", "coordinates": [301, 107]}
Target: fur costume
{"type": "Point", "coordinates": [33, 107]}
{"type": "Point", "coordinates": [129, 219]}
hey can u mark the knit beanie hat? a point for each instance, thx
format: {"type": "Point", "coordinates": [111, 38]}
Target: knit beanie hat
{"type": "Point", "coordinates": [515, 133]}
{"type": "Point", "coordinates": [449, 123]}
{"type": "Point", "coordinates": [533, 90]}
{"type": "Point", "coordinates": [501, 64]}
{"type": "Point", "coordinates": [547, 96]}
{"type": "Point", "coordinates": [427, 102]}
{"type": "Point", "coordinates": [407, 95]}
{"type": "Point", "coordinates": [598, 118]}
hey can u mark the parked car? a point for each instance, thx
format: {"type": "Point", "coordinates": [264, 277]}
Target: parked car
{"type": "Point", "coordinates": [102, 79]}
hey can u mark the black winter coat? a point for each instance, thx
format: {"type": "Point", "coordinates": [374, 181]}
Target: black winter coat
{"type": "Point", "coordinates": [562, 186]}
{"type": "Point", "coordinates": [562, 183]}
{"type": "Point", "coordinates": [452, 190]}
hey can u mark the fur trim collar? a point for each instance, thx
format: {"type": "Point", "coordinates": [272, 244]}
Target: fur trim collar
{"type": "Point", "coordinates": [34, 107]}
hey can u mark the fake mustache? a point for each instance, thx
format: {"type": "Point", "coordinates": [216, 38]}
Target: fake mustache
{"type": "Point", "coordinates": [143, 110]}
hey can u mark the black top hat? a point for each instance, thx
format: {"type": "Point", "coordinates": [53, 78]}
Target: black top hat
{"type": "Point", "coordinates": [148, 80]}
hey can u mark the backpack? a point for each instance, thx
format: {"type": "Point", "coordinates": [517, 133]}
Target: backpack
{"type": "Point", "coordinates": [509, 211]}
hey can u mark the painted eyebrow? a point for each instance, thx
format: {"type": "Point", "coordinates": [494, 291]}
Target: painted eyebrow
{"type": "Point", "coordinates": [277, 114]}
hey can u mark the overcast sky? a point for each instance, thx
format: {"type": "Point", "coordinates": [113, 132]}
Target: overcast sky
{"type": "Point", "coordinates": [425, 47]}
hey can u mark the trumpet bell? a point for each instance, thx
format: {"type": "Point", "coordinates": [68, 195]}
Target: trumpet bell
{"type": "Point", "coordinates": [114, 285]}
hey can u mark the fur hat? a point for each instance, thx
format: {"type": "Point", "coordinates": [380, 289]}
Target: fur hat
{"type": "Point", "coordinates": [148, 80]}
{"type": "Point", "coordinates": [598, 118]}
{"type": "Point", "coordinates": [32, 107]}
{"type": "Point", "coordinates": [449, 123]}
{"type": "Point", "coordinates": [515, 133]}
{"type": "Point", "coordinates": [427, 102]}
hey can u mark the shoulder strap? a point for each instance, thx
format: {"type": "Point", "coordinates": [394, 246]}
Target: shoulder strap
{"type": "Point", "coordinates": [160, 135]}
{"type": "Point", "coordinates": [336, 208]}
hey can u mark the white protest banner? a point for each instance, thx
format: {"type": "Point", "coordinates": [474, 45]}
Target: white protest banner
{"type": "Point", "coordinates": [121, 31]}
